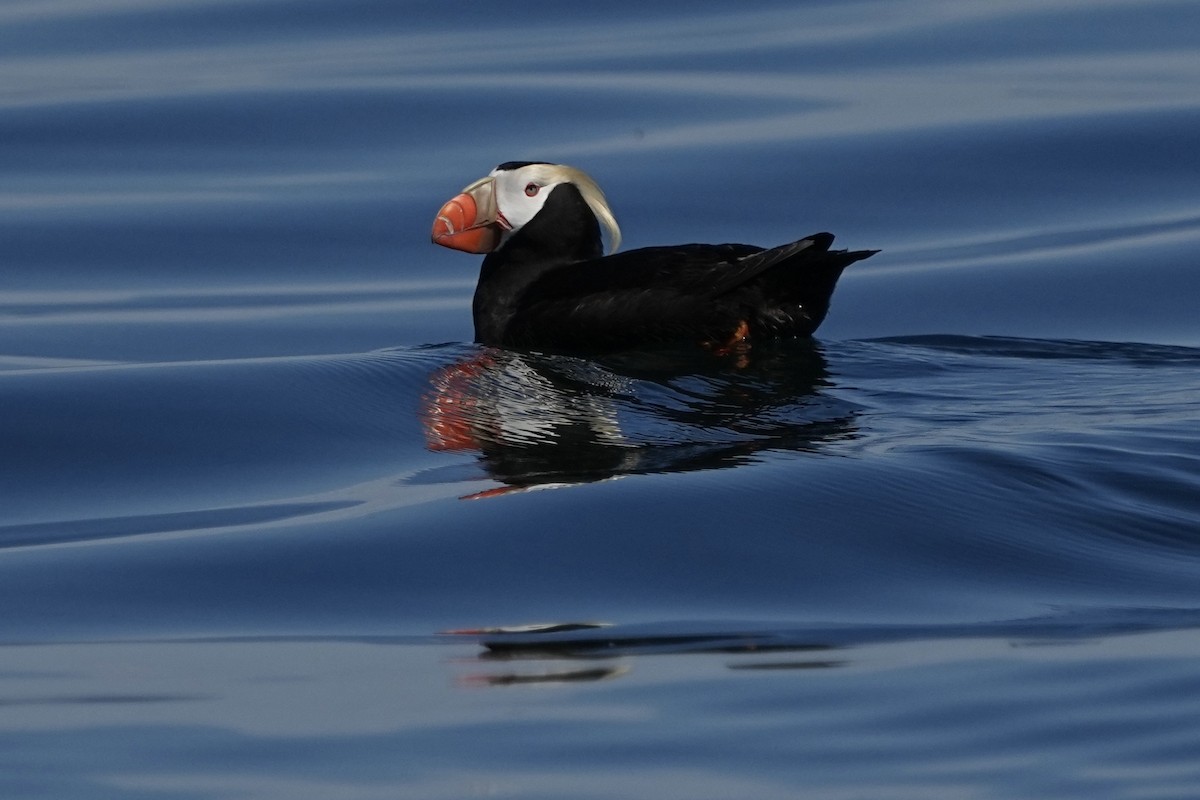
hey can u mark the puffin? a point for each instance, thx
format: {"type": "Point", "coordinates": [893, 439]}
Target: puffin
{"type": "Point", "coordinates": [547, 285]}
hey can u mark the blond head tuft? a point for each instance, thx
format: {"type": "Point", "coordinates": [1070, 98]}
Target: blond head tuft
{"type": "Point", "coordinates": [592, 195]}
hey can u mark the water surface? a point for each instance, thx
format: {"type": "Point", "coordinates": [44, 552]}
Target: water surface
{"type": "Point", "coordinates": [274, 528]}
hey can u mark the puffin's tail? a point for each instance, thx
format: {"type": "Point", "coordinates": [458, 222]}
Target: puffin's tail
{"type": "Point", "coordinates": [796, 286]}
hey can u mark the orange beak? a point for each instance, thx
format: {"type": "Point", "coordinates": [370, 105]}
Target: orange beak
{"type": "Point", "coordinates": [471, 222]}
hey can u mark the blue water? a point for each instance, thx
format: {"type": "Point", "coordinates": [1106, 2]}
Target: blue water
{"type": "Point", "coordinates": [271, 526]}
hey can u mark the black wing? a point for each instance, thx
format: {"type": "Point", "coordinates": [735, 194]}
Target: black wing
{"type": "Point", "coordinates": [655, 295]}
{"type": "Point", "coordinates": [694, 292]}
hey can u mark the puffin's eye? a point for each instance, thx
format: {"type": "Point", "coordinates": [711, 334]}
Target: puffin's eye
{"type": "Point", "coordinates": [532, 189]}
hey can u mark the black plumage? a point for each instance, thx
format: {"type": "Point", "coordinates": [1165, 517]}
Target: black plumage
{"type": "Point", "coordinates": [548, 286]}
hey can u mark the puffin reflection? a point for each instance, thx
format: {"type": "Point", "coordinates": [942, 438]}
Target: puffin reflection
{"type": "Point", "coordinates": [541, 421]}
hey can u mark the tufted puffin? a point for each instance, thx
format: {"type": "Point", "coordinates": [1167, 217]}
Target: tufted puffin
{"type": "Point", "coordinates": [547, 285]}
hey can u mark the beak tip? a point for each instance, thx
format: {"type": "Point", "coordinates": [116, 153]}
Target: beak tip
{"type": "Point", "coordinates": [441, 229]}
{"type": "Point", "coordinates": [459, 226]}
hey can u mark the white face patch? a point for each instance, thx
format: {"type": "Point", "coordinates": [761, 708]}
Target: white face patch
{"type": "Point", "coordinates": [520, 194]}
